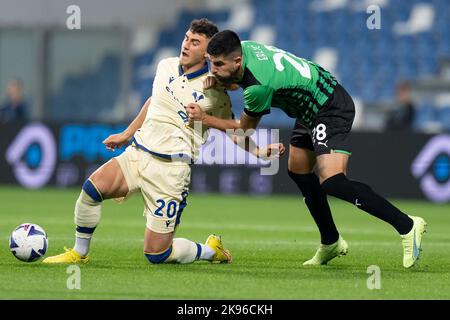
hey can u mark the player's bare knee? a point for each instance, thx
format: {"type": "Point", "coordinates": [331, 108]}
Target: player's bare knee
{"type": "Point", "coordinates": [155, 242]}
{"type": "Point", "coordinates": [301, 161]}
{"type": "Point", "coordinates": [157, 257]}
{"type": "Point", "coordinates": [110, 180]}
{"type": "Point", "coordinates": [325, 175]}
{"type": "Point", "coordinates": [153, 247]}
{"type": "Point", "coordinates": [158, 250]}
{"type": "Point", "coordinates": [298, 168]}
{"type": "Point", "coordinates": [322, 173]}
{"type": "Point", "coordinates": [98, 179]}
{"type": "Point", "coordinates": [331, 184]}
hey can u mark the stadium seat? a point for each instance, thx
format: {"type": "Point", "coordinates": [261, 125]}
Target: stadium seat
{"type": "Point", "coordinates": [369, 62]}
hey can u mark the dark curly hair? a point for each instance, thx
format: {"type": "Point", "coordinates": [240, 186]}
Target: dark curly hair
{"type": "Point", "coordinates": [224, 43]}
{"type": "Point", "coordinates": [203, 26]}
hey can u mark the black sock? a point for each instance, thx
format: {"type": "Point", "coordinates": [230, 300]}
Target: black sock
{"type": "Point", "coordinates": [366, 199]}
{"type": "Point", "coordinates": [316, 201]}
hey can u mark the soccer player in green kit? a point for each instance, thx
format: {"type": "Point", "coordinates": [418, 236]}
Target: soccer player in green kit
{"type": "Point", "coordinates": [324, 112]}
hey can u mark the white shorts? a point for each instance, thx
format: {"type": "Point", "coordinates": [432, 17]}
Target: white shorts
{"type": "Point", "coordinates": [162, 183]}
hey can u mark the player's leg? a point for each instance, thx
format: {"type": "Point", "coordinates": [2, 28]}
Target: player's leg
{"type": "Point", "coordinates": [106, 182]}
{"type": "Point", "coordinates": [300, 169]}
{"type": "Point", "coordinates": [164, 190]}
{"type": "Point", "coordinates": [334, 181]}
{"type": "Point", "coordinates": [301, 163]}
{"type": "Point", "coordinates": [331, 145]}
{"type": "Point", "coordinates": [163, 248]}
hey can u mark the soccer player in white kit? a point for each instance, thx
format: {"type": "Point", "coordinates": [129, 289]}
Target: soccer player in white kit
{"type": "Point", "coordinates": [157, 162]}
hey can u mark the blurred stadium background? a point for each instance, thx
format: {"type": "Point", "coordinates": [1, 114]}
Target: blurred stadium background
{"type": "Point", "coordinates": [83, 84]}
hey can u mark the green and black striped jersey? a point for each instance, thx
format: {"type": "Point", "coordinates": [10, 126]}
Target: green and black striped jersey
{"type": "Point", "coordinates": [276, 78]}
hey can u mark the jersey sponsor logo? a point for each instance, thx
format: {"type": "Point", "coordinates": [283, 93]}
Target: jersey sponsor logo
{"type": "Point", "coordinates": [170, 91]}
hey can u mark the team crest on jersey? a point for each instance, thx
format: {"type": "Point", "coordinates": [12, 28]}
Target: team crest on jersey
{"type": "Point", "coordinates": [197, 97]}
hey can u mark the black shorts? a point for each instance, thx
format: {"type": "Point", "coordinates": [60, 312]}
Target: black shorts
{"type": "Point", "coordinates": [331, 129]}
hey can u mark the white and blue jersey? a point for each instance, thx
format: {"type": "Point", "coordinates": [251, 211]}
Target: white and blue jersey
{"type": "Point", "coordinates": [166, 131]}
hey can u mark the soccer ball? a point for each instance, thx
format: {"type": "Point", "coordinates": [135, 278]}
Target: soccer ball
{"type": "Point", "coordinates": [28, 242]}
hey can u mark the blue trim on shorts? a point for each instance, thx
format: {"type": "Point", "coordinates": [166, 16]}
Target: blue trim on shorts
{"type": "Point", "coordinates": [92, 191]}
{"type": "Point", "coordinates": [159, 257]}
{"type": "Point", "coordinates": [178, 156]}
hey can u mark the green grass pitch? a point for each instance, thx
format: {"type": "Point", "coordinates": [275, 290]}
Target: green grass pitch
{"type": "Point", "coordinates": [268, 237]}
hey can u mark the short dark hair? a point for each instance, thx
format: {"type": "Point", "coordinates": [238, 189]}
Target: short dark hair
{"type": "Point", "coordinates": [224, 43]}
{"type": "Point", "coordinates": [204, 26]}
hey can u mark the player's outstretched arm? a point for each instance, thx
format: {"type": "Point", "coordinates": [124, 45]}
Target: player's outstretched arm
{"type": "Point", "coordinates": [268, 152]}
{"type": "Point", "coordinates": [119, 139]}
{"type": "Point", "coordinates": [237, 130]}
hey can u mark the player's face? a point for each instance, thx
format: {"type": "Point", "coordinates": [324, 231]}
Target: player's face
{"type": "Point", "coordinates": [226, 69]}
{"type": "Point", "coordinates": [193, 49]}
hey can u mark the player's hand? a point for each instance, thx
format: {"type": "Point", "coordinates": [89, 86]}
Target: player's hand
{"type": "Point", "coordinates": [209, 82]}
{"type": "Point", "coordinates": [271, 151]}
{"type": "Point", "coordinates": [115, 141]}
{"type": "Point", "coordinates": [194, 112]}
{"type": "Point", "coordinates": [212, 82]}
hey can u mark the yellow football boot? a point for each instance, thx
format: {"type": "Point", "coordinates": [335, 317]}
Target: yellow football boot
{"type": "Point", "coordinates": [69, 256]}
{"type": "Point", "coordinates": [222, 255]}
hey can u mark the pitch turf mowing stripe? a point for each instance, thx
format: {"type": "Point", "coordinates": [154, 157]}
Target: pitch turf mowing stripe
{"type": "Point", "coordinates": [267, 254]}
